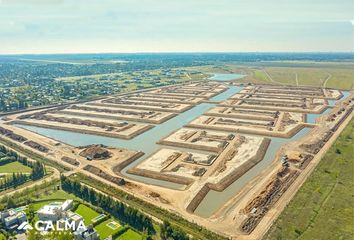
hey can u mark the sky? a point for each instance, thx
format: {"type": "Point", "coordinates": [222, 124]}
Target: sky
{"type": "Point", "coordinates": [93, 26]}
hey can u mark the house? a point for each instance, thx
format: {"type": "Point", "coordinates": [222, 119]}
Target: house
{"type": "Point", "coordinates": [73, 217]}
{"type": "Point", "coordinates": [12, 221]}
{"type": "Point", "coordinates": [87, 234]}
{"type": "Point", "coordinates": [6, 213]}
{"type": "Point", "coordinates": [54, 211]}
{"type": "Point", "coordinates": [67, 205]}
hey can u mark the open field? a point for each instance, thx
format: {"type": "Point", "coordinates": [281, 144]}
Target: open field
{"type": "Point", "coordinates": [322, 207]}
{"type": "Point", "coordinates": [221, 155]}
{"type": "Point", "coordinates": [87, 213]}
{"type": "Point", "coordinates": [337, 75]}
{"type": "Point", "coordinates": [129, 235]}
{"type": "Point", "coordinates": [15, 167]}
{"type": "Point", "coordinates": [104, 230]}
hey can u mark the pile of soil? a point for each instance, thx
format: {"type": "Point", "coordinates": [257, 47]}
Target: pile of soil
{"type": "Point", "coordinates": [94, 152]}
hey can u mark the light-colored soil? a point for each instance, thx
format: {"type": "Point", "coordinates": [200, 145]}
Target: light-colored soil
{"type": "Point", "coordinates": [238, 152]}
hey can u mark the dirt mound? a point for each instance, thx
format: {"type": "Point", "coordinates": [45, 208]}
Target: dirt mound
{"type": "Point", "coordinates": [93, 152]}
{"type": "Point", "coordinates": [37, 146]}
{"type": "Point", "coordinates": [259, 206]}
{"type": "Point", "coordinates": [98, 172]}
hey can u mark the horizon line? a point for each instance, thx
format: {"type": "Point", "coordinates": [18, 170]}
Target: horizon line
{"type": "Point", "coordinates": [179, 52]}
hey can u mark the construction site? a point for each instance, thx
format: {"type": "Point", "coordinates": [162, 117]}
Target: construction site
{"type": "Point", "coordinates": [225, 156]}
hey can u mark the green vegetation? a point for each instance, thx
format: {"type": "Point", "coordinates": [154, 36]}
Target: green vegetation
{"type": "Point", "coordinates": [176, 221]}
{"type": "Point", "coordinates": [104, 230]}
{"type": "Point", "coordinates": [29, 195]}
{"type": "Point", "coordinates": [129, 235]}
{"type": "Point", "coordinates": [38, 84]}
{"type": "Point", "coordinates": [316, 77]}
{"type": "Point", "coordinates": [14, 167]}
{"type": "Point", "coordinates": [17, 178]}
{"type": "Point", "coordinates": [58, 194]}
{"type": "Point", "coordinates": [33, 155]}
{"type": "Point", "coordinates": [338, 75]}
{"type": "Point", "coordinates": [87, 213]}
{"type": "Point", "coordinates": [170, 232]}
{"type": "Point", "coordinates": [124, 213]}
{"type": "Point", "coordinates": [323, 207]}
{"type": "Point", "coordinates": [49, 193]}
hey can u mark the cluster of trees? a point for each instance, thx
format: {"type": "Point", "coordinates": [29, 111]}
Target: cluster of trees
{"type": "Point", "coordinates": [195, 230]}
{"type": "Point", "coordinates": [124, 213]}
{"type": "Point", "coordinates": [26, 83]}
{"type": "Point", "coordinates": [38, 171]}
{"type": "Point", "coordinates": [169, 232]}
{"type": "Point", "coordinates": [12, 181]}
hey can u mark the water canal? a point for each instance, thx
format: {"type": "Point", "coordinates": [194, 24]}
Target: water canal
{"type": "Point", "coordinates": [146, 142]}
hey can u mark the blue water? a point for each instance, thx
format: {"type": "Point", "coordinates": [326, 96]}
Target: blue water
{"type": "Point", "coordinates": [311, 118]}
{"type": "Point", "coordinates": [146, 142]}
{"type": "Point", "coordinates": [214, 200]}
{"type": "Point", "coordinates": [333, 102]}
{"type": "Point", "coordinates": [226, 76]}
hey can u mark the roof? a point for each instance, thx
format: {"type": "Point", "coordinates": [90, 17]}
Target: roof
{"type": "Point", "coordinates": [53, 208]}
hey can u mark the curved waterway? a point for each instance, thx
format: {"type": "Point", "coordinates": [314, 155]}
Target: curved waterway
{"type": "Point", "coordinates": [226, 76]}
{"type": "Point", "coordinates": [146, 142]}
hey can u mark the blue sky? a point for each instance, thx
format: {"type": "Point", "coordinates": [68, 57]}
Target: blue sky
{"type": "Point", "coordinates": [65, 26]}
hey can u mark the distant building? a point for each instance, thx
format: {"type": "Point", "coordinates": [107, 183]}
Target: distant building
{"type": "Point", "coordinates": [87, 234]}
{"type": "Point", "coordinates": [11, 219]}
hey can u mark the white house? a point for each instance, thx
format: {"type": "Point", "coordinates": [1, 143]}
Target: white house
{"type": "Point", "coordinates": [54, 211]}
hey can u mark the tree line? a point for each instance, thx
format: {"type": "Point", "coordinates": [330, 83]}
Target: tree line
{"type": "Point", "coordinates": [16, 179]}
{"type": "Point", "coordinates": [169, 232]}
{"type": "Point", "coordinates": [119, 210]}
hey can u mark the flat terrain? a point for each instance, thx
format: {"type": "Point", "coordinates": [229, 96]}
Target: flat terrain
{"type": "Point", "coordinates": [129, 235]}
{"type": "Point", "coordinates": [14, 167]}
{"type": "Point", "coordinates": [219, 167]}
{"type": "Point", "coordinates": [339, 75]}
{"type": "Point", "coordinates": [322, 209]}
{"type": "Point", "coordinates": [104, 230]}
{"type": "Point", "coordinates": [87, 213]}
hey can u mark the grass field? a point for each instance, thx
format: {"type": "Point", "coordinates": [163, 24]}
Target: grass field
{"type": "Point", "coordinates": [129, 235]}
{"type": "Point", "coordinates": [59, 194]}
{"type": "Point", "coordinates": [317, 77]}
{"type": "Point", "coordinates": [104, 230]}
{"type": "Point", "coordinates": [15, 167]}
{"type": "Point", "coordinates": [338, 75]}
{"type": "Point", "coordinates": [323, 207]}
{"type": "Point", "coordinates": [56, 196]}
{"type": "Point", "coordinates": [87, 213]}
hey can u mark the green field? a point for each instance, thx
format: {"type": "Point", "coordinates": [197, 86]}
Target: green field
{"type": "Point", "coordinates": [129, 235]}
{"type": "Point", "coordinates": [59, 194]}
{"type": "Point", "coordinates": [15, 167]}
{"type": "Point", "coordinates": [323, 207]}
{"type": "Point", "coordinates": [104, 230]}
{"type": "Point", "coordinates": [317, 77]}
{"type": "Point", "coordinates": [87, 213]}
{"type": "Point", "coordinates": [339, 75]}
